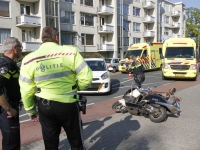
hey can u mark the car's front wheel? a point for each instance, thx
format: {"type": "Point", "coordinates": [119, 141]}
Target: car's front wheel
{"type": "Point", "coordinates": [114, 69]}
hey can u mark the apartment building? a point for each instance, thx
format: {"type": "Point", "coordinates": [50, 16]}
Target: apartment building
{"type": "Point", "coordinates": [108, 27]}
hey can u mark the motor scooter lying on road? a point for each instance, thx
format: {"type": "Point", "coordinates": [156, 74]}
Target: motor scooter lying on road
{"type": "Point", "coordinates": [151, 104]}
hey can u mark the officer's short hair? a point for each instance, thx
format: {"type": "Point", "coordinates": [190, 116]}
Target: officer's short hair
{"type": "Point", "coordinates": [49, 33]}
{"type": "Point", "coordinates": [9, 43]}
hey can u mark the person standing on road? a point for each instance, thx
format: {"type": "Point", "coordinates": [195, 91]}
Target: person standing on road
{"type": "Point", "coordinates": [57, 72]}
{"type": "Point", "coordinates": [10, 94]}
{"type": "Point", "coordinates": [137, 69]}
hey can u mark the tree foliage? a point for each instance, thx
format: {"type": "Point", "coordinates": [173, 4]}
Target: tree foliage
{"type": "Point", "coordinates": [193, 23]}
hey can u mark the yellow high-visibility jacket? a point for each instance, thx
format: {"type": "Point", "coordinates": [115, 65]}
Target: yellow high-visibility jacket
{"type": "Point", "coordinates": [57, 72]}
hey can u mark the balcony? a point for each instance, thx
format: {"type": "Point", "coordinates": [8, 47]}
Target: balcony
{"type": "Point", "coordinates": [149, 34]}
{"type": "Point", "coordinates": [28, 21]}
{"type": "Point", "coordinates": [105, 10]}
{"type": "Point", "coordinates": [30, 1]}
{"type": "Point", "coordinates": [148, 5]}
{"type": "Point", "coordinates": [148, 19]}
{"type": "Point", "coordinates": [176, 25]}
{"type": "Point", "coordinates": [176, 36]}
{"type": "Point", "coordinates": [106, 47]}
{"type": "Point", "coordinates": [175, 14]}
{"type": "Point", "coordinates": [30, 46]}
{"type": "Point", "coordinates": [105, 29]}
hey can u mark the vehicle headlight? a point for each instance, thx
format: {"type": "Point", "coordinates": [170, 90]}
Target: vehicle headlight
{"type": "Point", "coordinates": [166, 66]}
{"type": "Point", "coordinates": [193, 66]}
{"type": "Point", "coordinates": [104, 76]}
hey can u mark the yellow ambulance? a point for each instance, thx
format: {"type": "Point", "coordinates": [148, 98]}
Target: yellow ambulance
{"type": "Point", "coordinates": [149, 54]}
{"type": "Point", "coordinates": [180, 58]}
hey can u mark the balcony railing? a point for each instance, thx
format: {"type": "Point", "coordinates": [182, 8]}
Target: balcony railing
{"type": "Point", "coordinates": [30, 1]}
{"type": "Point", "coordinates": [149, 34]}
{"type": "Point", "coordinates": [30, 46]}
{"type": "Point", "coordinates": [106, 47]}
{"type": "Point", "coordinates": [176, 25]}
{"type": "Point", "coordinates": [28, 21]}
{"type": "Point", "coordinates": [176, 36]}
{"type": "Point", "coordinates": [175, 13]}
{"type": "Point", "coordinates": [105, 10]}
{"type": "Point", "coordinates": [149, 19]}
{"type": "Point", "coordinates": [105, 29]}
{"type": "Point", "coordinates": [148, 4]}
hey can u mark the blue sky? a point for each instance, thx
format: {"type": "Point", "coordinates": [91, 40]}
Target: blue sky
{"type": "Point", "coordinates": [189, 3]}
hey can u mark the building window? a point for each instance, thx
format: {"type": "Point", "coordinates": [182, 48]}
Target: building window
{"type": "Point", "coordinates": [25, 10]}
{"type": "Point", "coordinates": [136, 40]}
{"type": "Point", "coordinates": [4, 33]}
{"type": "Point", "coordinates": [68, 38]}
{"type": "Point", "coordinates": [167, 19]}
{"type": "Point", "coordinates": [4, 9]}
{"type": "Point", "coordinates": [87, 39]}
{"type": "Point", "coordinates": [136, 26]}
{"type": "Point", "coordinates": [126, 25]}
{"type": "Point", "coordinates": [166, 32]}
{"type": "Point", "coordinates": [51, 10]}
{"type": "Point", "coordinates": [66, 17]}
{"type": "Point", "coordinates": [26, 36]}
{"type": "Point", "coordinates": [126, 41]}
{"type": "Point", "coordinates": [137, 1]}
{"type": "Point", "coordinates": [167, 7]}
{"type": "Point", "coordinates": [125, 9]}
{"type": "Point", "coordinates": [136, 11]}
{"type": "Point", "coordinates": [87, 2]}
{"type": "Point", "coordinates": [70, 1]}
{"type": "Point", "coordinates": [87, 20]}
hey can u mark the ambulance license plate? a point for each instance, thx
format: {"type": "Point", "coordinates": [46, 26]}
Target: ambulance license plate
{"type": "Point", "coordinates": [179, 75]}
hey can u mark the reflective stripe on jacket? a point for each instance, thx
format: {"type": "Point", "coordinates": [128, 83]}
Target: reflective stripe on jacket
{"type": "Point", "coordinates": [53, 69]}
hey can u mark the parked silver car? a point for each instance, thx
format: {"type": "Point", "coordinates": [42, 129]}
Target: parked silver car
{"type": "Point", "coordinates": [112, 64]}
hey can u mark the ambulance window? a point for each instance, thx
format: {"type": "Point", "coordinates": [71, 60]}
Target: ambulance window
{"type": "Point", "coordinates": [160, 50]}
{"type": "Point", "coordinates": [144, 53]}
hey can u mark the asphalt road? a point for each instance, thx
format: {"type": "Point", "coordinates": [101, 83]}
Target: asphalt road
{"type": "Point", "coordinates": [120, 84]}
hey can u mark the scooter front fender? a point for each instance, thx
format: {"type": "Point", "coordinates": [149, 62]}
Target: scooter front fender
{"type": "Point", "coordinates": [122, 101]}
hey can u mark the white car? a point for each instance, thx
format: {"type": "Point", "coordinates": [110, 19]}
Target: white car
{"type": "Point", "coordinates": [101, 82]}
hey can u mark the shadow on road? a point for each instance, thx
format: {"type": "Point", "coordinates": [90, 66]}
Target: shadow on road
{"type": "Point", "coordinates": [108, 135]}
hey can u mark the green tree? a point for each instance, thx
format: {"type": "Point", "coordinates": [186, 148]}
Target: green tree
{"type": "Point", "coordinates": [193, 23]}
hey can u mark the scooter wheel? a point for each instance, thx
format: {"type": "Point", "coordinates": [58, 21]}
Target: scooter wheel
{"type": "Point", "coordinates": [117, 107]}
{"type": "Point", "coordinates": [159, 116]}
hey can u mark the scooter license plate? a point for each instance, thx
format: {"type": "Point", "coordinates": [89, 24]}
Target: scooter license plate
{"type": "Point", "coordinates": [177, 105]}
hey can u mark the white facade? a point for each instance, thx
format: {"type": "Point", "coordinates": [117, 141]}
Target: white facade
{"type": "Point", "coordinates": [105, 26]}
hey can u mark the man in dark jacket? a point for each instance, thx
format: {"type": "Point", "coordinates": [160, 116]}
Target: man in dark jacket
{"type": "Point", "coordinates": [10, 94]}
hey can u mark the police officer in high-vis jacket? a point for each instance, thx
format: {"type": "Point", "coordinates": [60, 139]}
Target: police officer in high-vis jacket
{"type": "Point", "coordinates": [57, 73]}
{"type": "Point", "coordinates": [10, 94]}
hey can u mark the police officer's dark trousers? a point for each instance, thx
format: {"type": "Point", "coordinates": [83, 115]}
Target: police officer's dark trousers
{"type": "Point", "coordinates": [10, 130]}
{"type": "Point", "coordinates": [58, 115]}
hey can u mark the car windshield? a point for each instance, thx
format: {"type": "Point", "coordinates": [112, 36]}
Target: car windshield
{"type": "Point", "coordinates": [107, 60]}
{"type": "Point", "coordinates": [96, 65]}
{"type": "Point", "coordinates": [136, 53]}
{"type": "Point", "coordinates": [180, 52]}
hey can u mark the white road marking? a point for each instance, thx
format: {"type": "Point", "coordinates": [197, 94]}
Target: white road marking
{"type": "Point", "coordinates": [118, 96]}
{"type": "Point", "coordinates": [24, 121]}
{"type": "Point", "coordinates": [122, 82]}
{"type": "Point", "coordinates": [22, 115]}
{"type": "Point", "coordinates": [153, 77]}
{"type": "Point", "coordinates": [30, 119]}
{"type": "Point", "coordinates": [157, 73]}
{"type": "Point", "coordinates": [144, 84]}
{"type": "Point", "coordinates": [90, 104]}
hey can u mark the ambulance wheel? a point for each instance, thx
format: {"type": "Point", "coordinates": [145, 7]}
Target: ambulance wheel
{"type": "Point", "coordinates": [194, 79]}
{"type": "Point", "coordinates": [163, 77]}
